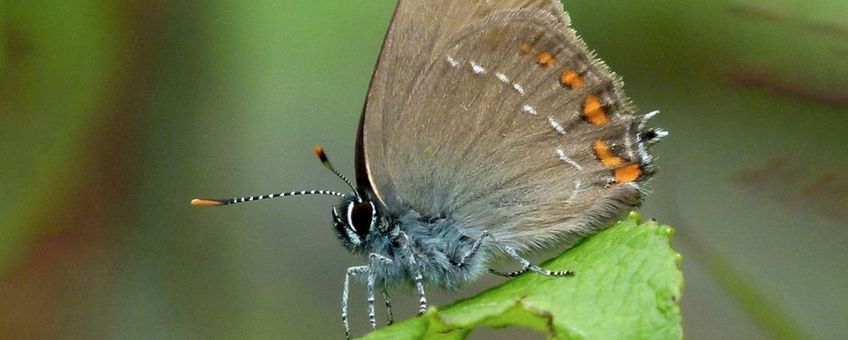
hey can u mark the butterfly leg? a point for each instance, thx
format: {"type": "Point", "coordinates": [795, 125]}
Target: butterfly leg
{"type": "Point", "coordinates": [474, 248]}
{"type": "Point", "coordinates": [473, 251]}
{"type": "Point", "coordinates": [377, 259]}
{"type": "Point", "coordinates": [372, 318]}
{"type": "Point", "coordinates": [352, 271]}
{"type": "Point", "coordinates": [509, 274]}
{"type": "Point", "coordinates": [419, 285]}
{"type": "Point", "coordinates": [525, 265]}
{"type": "Point", "coordinates": [417, 278]}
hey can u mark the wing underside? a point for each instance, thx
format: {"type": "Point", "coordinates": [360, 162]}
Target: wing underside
{"type": "Point", "coordinates": [502, 120]}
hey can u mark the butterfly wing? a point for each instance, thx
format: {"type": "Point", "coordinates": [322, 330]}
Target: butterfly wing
{"type": "Point", "coordinates": [497, 116]}
{"type": "Point", "coordinates": [417, 33]}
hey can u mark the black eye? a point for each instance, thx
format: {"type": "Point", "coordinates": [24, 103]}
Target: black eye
{"type": "Point", "coordinates": [360, 216]}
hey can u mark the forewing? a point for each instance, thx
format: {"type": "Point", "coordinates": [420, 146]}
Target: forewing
{"type": "Point", "coordinates": [418, 32]}
{"type": "Point", "coordinates": [509, 125]}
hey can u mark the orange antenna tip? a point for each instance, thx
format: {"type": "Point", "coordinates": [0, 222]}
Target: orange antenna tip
{"type": "Point", "coordinates": [199, 202]}
{"type": "Point", "coordinates": [320, 152]}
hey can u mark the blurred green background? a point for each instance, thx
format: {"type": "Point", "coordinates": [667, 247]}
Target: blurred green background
{"type": "Point", "coordinates": [114, 114]}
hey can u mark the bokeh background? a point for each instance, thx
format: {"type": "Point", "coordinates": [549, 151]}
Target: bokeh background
{"type": "Point", "coordinates": [114, 114]}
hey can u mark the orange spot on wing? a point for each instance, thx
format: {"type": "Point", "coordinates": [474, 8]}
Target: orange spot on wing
{"type": "Point", "coordinates": [593, 111]}
{"type": "Point", "coordinates": [545, 59]}
{"type": "Point", "coordinates": [571, 79]}
{"type": "Point", "coordinates": [628, 173]}
{"type": "Point", "coordinates": [605, 155]}
{"type": "Point", "coordinates": [525, 48]}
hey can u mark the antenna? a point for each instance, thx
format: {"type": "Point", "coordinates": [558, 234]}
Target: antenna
{"type": "Point", "coordinates": [319, 151]}
{"type": "Point", "coordinates": [210, 202]}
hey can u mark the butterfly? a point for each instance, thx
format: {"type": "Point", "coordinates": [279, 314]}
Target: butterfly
{"type": "Point", "coordinates": [489, 130]}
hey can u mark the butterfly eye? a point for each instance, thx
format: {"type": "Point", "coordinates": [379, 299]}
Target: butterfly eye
{"type": "Point", "coordinates": [361, 216]}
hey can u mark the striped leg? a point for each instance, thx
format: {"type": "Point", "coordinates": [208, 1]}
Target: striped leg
{"type": "Point", "coordinates": [474, 248]}
{"type": "Point", "coordinates": [380, 260]}
{"type": "Point", "coordinates": [350, 272]}
{"type": "Point", "coordinates": [372, 318]}
{"type": "Point", "coordinates": [416, 277]}
{"type": "Point", "coordinates": [525, 265]}
{"type": "Point", "coordinates": [509, 274]}
{"type": "Point", "coordinates": [376, 259]}
{"type": "Point", "coordinates": [419, 285]}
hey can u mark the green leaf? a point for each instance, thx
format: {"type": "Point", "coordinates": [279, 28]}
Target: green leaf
{"type": "Point", "coordinates": [627, 286]}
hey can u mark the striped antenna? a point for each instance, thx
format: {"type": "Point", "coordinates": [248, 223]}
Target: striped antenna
{"type": "Point", "coordinates": [319, 151]}
{"type": "Point", "coordinates": [206, 202]}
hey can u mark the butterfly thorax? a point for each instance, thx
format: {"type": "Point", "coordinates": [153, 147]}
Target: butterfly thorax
{"type": "Point", "coordinates": [406, 244]}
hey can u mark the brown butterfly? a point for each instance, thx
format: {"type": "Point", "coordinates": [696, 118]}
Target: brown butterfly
{"type": "Point", "coordinates": [489, 129]}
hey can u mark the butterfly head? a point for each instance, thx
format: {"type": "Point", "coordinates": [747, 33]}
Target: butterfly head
{"type": "Point", "coordinates": [354, 220]}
